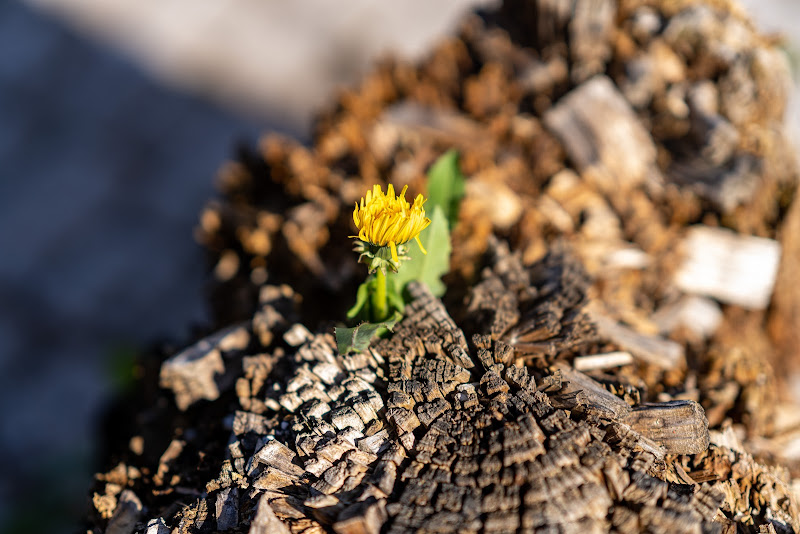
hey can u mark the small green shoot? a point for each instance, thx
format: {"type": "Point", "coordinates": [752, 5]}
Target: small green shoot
{"type": "Point", "coordinates": [379, 215]}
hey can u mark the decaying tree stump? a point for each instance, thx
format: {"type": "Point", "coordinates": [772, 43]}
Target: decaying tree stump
{"type": "Point", "coordinates": [602, 358]}
{"type": "Point", "coordinates": [429, 431]}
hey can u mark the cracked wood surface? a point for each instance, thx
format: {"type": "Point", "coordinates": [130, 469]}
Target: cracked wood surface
{"type": "Point", "coordinates": [438, 429]}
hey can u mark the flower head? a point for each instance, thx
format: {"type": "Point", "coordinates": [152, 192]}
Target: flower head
{"type": "Point", "coordinates": [388, 220]}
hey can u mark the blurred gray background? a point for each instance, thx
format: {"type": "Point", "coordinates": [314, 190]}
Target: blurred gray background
{"type": "Point", "coordinates": [114, 116]}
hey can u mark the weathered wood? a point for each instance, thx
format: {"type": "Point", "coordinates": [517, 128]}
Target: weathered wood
{"type": "Point", "coordinates": [191, 374]}
{"type": "Point", "coordinates": [680, 426]}
{"type": "Point", "coordinates": [227, 508]}
{"type": "Point", "coordinates": [481, 446]}
{"type": "Point", "coordinates": [551, 309]}
{"type": "Point", "coordinates": [728, 185]}
{"type": "Point", "coordinates": [265, 520]}
{"type": "Point", "coordinates": [590, 396]}
{"type": "Point", "coordinates": [654, 350]}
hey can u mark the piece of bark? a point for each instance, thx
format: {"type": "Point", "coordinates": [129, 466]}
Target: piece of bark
{"type": "Point", "coordinates": [126, 515]}
{"type": "Point", "coordinates": [727, 185]}
{"type": "Point", "coordinates": [265, 520]}
{"type": "Point", "coordinates": [680, 426]}
{"type": "Point", "coordinates": [412, 119]}
{"type": "Point", "coordinates": [192, 373]}
{"type": "Point", "coordinates": [297, 334]}
{"type": "Point", "coordinates": [365, 517]}
{"type": "Point", "coordinates": [227, 509]}
{"type": "Point", "coordinates": [277, 455]}
{"type": "Point", "coordinates": [602, 135]}
{"type": "Point", "coordinates": [736, 269]}
{"type": "Point", "coordinates": [174, 449]}
{"type": "Point", "coordinates": [591, 396]}
{"type": "Point", "coordinates": [715, 137]}
{"type": "Point", "coordinates": [590, 33]}
{"type": "Point", "coordinates": [552, 309]}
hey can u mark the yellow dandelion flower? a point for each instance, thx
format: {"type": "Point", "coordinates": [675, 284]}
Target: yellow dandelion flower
{"type": "Point", "coordinates": [388, 220]}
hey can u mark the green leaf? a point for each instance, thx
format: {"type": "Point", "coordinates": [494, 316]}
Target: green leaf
{"type": "Point", "coordinates": [428, 268]}
{"type": "Point", "coordinates": [357, 339]}
{"type": "Point", "coordinates": [362, 297]}
{"type": "Point", "coordinates": [446, 186]}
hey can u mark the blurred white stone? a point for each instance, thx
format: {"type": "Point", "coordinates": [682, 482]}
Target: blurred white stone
{"type": "Point", "coordinates": [699, 314]}
{"type": "Point", "coordinates": [733, 268]}
{"type": "Point", "coordinates": [628, 257]}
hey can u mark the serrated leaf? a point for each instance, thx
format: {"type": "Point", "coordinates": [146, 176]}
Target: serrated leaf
{"type": "Point", "coordinates": [428, 268]}
{"type": "Point", "coordinates": [446, 186]}
{"type": "Point", "coordinates": [357, 339]}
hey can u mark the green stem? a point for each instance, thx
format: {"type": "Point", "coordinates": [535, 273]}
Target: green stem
{"type": "Point", "coordinates": [380, 303]}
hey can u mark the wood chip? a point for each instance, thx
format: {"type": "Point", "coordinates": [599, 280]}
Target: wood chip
{"type": "Point", "coordinates": [602, 135]}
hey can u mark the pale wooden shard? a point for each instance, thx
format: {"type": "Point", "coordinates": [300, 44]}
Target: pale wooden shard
{"type": "Point", "coordinates": [297, 335]}
{"type": "Point", "coordinates": [366, 517]}
{"type": "Point", "coordinates": [277, 455]}
{"type": "Point", "coordinates": [733, 268]}
{"type": "Point", "coordinates": [407, 119]}
{"type": "Point", "coordinates": [157, 526]}
{"type": "Point", "coordinates": [603, 136]}
{"type": "Point", "coordinates": [603, 361]}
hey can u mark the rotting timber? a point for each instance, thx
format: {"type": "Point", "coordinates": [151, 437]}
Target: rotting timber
{"type": "Point", "coordinates": [435, 429]}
